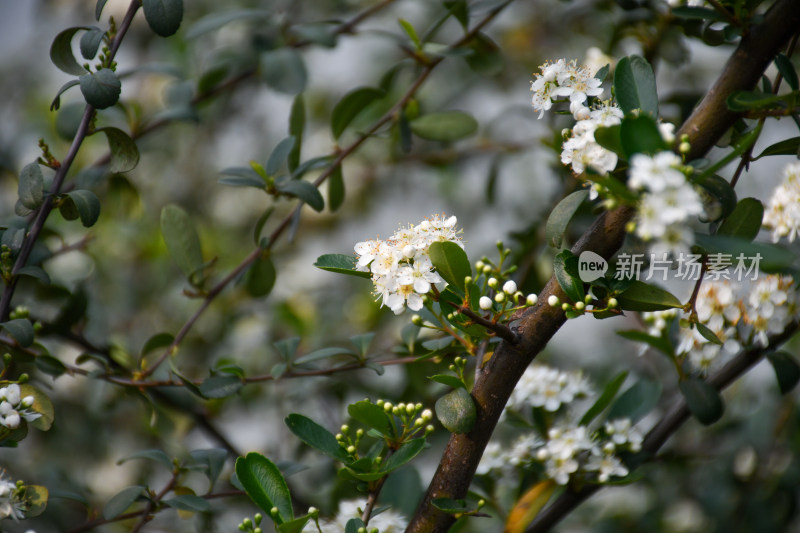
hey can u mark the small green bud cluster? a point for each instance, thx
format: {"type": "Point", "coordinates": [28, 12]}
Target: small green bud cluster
{"type": "Point", "coordinates": [501, 294]}
{"type": "Point", "coordinates": [349, 440]}
{"type": "Point", "coordinates": [574, 310]}
{"type": "Point", "coordinates": [253, 525]}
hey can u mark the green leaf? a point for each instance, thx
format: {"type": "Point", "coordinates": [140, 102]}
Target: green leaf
{"type": "Point", "coordinates": [486, 58]}
{"type": "Point", "coordinates": [745, 220]}
{"type": "Point", "coordinates": [704, 401]}
{"type": "Point", "coordinates": [120, 502]}
{"type": "Point", "coordinates": [220, 386]}
{"type": "Point", "coordinates": [786, 68]}
{"type": "Point", "coordinates": [153, 454]}
{"type": "Point", "coordinates": [31, 186]}
{"type": "Point", "coordinates": [90, 42]}
{"type": "Point", "coordinates": [446, 126]}
{"type": "Point", "coordinates": [50, 365]}
{"type": "Point", "coordinates": [610, 138]}
{"type": "Point", "coordinates": [707, 333]}
{"type": "Point", "coordinates": [560, 216]}
{"type": "Point", "coordinates": [181, 239]}
{"type": "Point", "coordinates": [56, 103]}
{"type": "Point", "coordinates": [447, 379]}
{"type": "Point", "coordinates": [698, 13]}
{"type": "Point", "coordinates": [41, 405]}
{"type": "Point", "coordinates": [353, 525]}
{"type": "Point", "coordinates": [641, 296]}
{"type": "Point", "coordinates": [61, 51]}
{"type": "Point", "coordinates": [635, 86]}
{"type": "Point", "coordinates": [451, 506]}
{"type": "Point", "coordinates": [722, 193]}
{"type": "Point", "coordinates": [403, 455]}
{"type": "Point", "coordinates": [641, 135]}
{"type": "Point", "coordinates": [265, 485]}
{"type": "Point", "coordinates": [21, 329]}
{"type": "Point", "coordinates": [100, 89]}
{"type": "Point", "coordinates": [163, 16]}
{"type": "Point", "coordinates": [217, 20]}
{"type": "Point", "coordinates": [124, 153]}
{"type": "Point", "coordinates": [242, 177]}
{"type": "Point", "coordinates": [748, 100]}
{"type": "Point", "coordinates": [335, 188]}
{"type": "Point", "coordinates": [784, 147]}
{"type": "Point", "coordinates": [659, 343]}
{"type": "Point", "coordinates": [456, 411]}
{"type": "Point", "coordinates": [565, 266]}
{"type": "Point", "coordinates": [341, 264]}
{"type": "Point", "coordinates": [98, 8]}
{"type": "Point", "coordinates": [279, 155]}
{"type": "Point", "coordinates": [787, 371]}
{"type": "Point", "coordinates": [608, 394]}
{"type": "Point", "coordinates": [411, 32]}
{"type": "Point", "coordinates": [451, 263]}
{"type": "Point", "coordinates": [373, 416]}
{"type": "Point", "coordinates": [773, 258]}
{"type": "Point", "coordinates": [211, 460]}
{"type": "Point", "coordinates": [189, 502]}
{"type": "Point", "coordinates": [34, 272]}
{"type": "Point", "coordinates": [284, 70]}
{"type": "Point", "coordinates": [323, 353]}
{"type": "Point", "coordinates": [297, 123]}
{"type": "Point", "coordinates": [295, 526]}
{"type": "Point", "coordinates": [260, 277]}
{"type": "Point", "coordinates": [35, 500]}
{"type": "Point", "coordinates": [159, 340]}
{"type": "Point", "coordinates": [304, 191]}
{"type": "Point", "coordinates": [351, 105]}
{"type": "Point", "coordinates": [637, 401]}
{"type": "Point", "coordinates": [81, 204]}
{"type": "Point", "coordinates": [316, 436]}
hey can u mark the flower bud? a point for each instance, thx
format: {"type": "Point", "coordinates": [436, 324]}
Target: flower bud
{"type": "Point", "coordinates": [500, 297]}
{"type": "Point", "coordinates": [579, 306]}
{"type": "Point", "coordinates": [509, 287]}
{"type": "Point", "coordinates": [492, 282]}
{"type": "Point", "coordinates": [565, 306]}
{"type": "Point", "coordinates": [345, 428]}
{"type": "Point", "coordinates": [531, 299]}
{"type": "Point", "coordinates": [479, 266]}
{"type": "Point", "coordinates": [553, 300]}
{"type": "Point", "coordinates": [416, 320]}
{"type": "Point", "coordinates": [612, 303]}
{"type": "Point", "coordinates": [485, 303]}
{"type": "Point", "coordinates": [351, 449]}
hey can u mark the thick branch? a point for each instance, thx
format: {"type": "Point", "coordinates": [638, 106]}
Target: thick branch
{"type": "Point", "coordinates": [495, 382]}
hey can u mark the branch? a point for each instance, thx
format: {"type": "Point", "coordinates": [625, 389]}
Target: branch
{"type": "Point", "coordinates": [498, 378]}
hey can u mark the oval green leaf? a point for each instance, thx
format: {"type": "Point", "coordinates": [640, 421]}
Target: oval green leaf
{"type": "Point", "coordinates": [446, 126]}
{"type": "Point", "coordinates": [100, 89]}
{"type": "Point", "coordinates": [637, 401]}
{"type": "Point", "coordinates": [265, 485]}
{"type": "Point", "coordinates": [163, 16]}
{"type": "Point", "coordinates": [316, 436]}
{"type": "Point", "coordinates": [284, 70]}
{"type": "Point", "coordinates": [181, 239]}
{"type": "Point", "coordinates": [635, 85]}
{"type": "Point", "coordinates": [341, 264]}
{"type": "Point", "coordinates": [61, 51]}
{"type": "Point", "coordinates": [745, 220]}
{"type": "Point", "coordinates": [373, 416]}
{"type": "Point", "coordinates": [561, 215]}
{"type": "Point", "coordinates": [260, 277]}
{"type": "Point", "coordinates": [704, 401]}
{"type": "Point", "coordinates": [304, 191]}
{"type": "Point", "coordinates": [350, 106]}
{"type": "Point", "coordinates": [120, 502]}
{"type": "Point", "coordinates": [456, 411]}
{"type": "Point", "coordinates": [641, 296]}
{"type": "Point", "coordinates": [31, 186]}
{"type": "Point", "coordinates": [124, 153]}
{"type": "Point", "coordinates": [787, 370]}
{"type": "Point", "coordinates": [90, 42]}
{"type": "Point", "coordinates": [85, 204]}
{"type": "Point", "coordinates": [21, 329]}
{"type": "Point", "coordinates": [451, 263]}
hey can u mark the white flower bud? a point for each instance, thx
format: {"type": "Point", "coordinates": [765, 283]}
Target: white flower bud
{"type": "Point", "coordinates": [27, 401]}
{"type": "Point", "coordinates": [579, 306]}
{"type": "Point", "coordinates": [493, 283]}
{"type": "Point", "coordinates": [531, 299]}
{"type": "Point", "coordinates": [500, 297]}
{"type": "Point", "coordinates": [509, 287]}
{"type": "Point", "coordinates": [553, 301]}
{"type": "Point", "coordinates": [485, 303]}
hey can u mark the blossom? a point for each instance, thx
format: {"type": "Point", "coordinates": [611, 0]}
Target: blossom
{"type": "Point", "coordinates": [14, 408]}
{"type": "Point", "coordinates": [402, 271]}
{"type": "Point", "coordinates": [550, 388]}
{"type": "Point", "coordinates": [581, 151]}
{"type": "Point", "coordinates": [388, 521]}
{"type": "Point", "coordinates": [622, 433]}
{"type": "Point", "coordinates": [769, 307]}
{"type": "Point", "coordinates": [782, 214]}
{"type": "Point", "coordinates": [565, 80]}
{"type": "Point", "coordinates": [10, 503]}
{"type": "Point", "coordinates": [606, 465]}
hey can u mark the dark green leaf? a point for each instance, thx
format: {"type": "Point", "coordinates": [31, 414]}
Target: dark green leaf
{"type": "Point", "coordinates": [124, 153]}
{"type": "Point", "coordinates": [699, 13]}
{"type": "Point", "coordinates": [316, 436]}
{"type": "Point", "coordinates": [90, 42]}
{"type": "Point", "coordinates": [212, 460]}
{"type": "Point", "coordinates": [635, 86]}
{"type": "Point", "coordinates": [447, 379]}
{"type": "Point", "coordinates": [56, 103]}
{"type": "Point", "coordinates": [449, 505]}
{"type": "Point", "coordinates": [98, 8]}
{"type": "Point", "coordinates": [602, 72]}
{"type": "Point", "coordinates": [786, 68]}
{"type": "Point", "coordinates": [566, 276]}
{"type": "Point", "coordinates": [703, 400]}
{"type": "Point", "coordinates": [242, 177]}
{"type": "Point", "coordinates": [265, 485]}
{"type": "Point", "coordinates": [189, 502]}
{"type": "Point", "coordinates": [287, 347]}
{"type": "Point", "coordinates": [641, 135]}
{"type": "Point", "coordinates": [637, 401]}
{"type": "Point", "coordinates": [50, 365]}
{"type": "Point", "coordinates": [220, 386]}
{"type": "Point", "coordinates": [362, 343]}
{"type": "Point", "coordinates": [297, 124]}
{"type": "Point", "coordinates": [745, 220]}
{"type": "Point", "coordinates": [215, 21]}
{"type": "Point", "coordinates": [784, 147]}
{"type": "Point", "coordinates": [181, 239]}
{"type": "Point", "coordinates": [260, 277]}
{"type": "Point", "coordinates": [404, 132]}
{"type": "Point", "coordinates": [69, 118]}
{"type": "Point", "coordinates": [403, 455]}
{"type": "Point", "coordinates": [610, 138]}
{"type": "Point", "coordinates": [609, 392]}
{"type": "Point", "coordinates": [21, 329]}
{"type": "Point", "coordinates": [159, 340]}
{"type": "Point", "coordinates": [295, 526]}
{"type": "Point", "coordinates": [641, 296]}
{"type": "Point", "coordinates": [451, 263]}
{"type": "Point", "coordinates": [373, 416]}
{"type": "Point", "coordinates": [560, 216]}
{"type": "Point", "coordinates": [31, 186]}
{"type": "Point", "coordinates": [61, 51]}
{"type": "Point", "coordinates": [163, 16]}
{"type": "Point", "coordinates": [34, 272]}
{"type": "Point", "coordinates": [279, 155]}
{"type": "Point", "coordinates": [100, 89]}
{"type": "Point", "coordinates": [446, 126]}
{"type": "Point", "coordinates": [486, 57]}
{"type": "Point", "coordinates": [120, 502]}
{"type": "Point", "coordinates": [304, 191]}
{"type": "Point", "coordinates": [323, 353]}
{"type": "Point", "coordinates": [311, 164]}
{"type": "Point", "coordinates": [747, 100]}
{"type": "Point", "coordinates": [787, 371]}
{"type": "Point", "coordinates": [722, 193]}
{"type": "Point", "coordinates": [151, 455]}
{"type": "Point", "coordinates": [259, 227]}
{"type": "Point", "coordinates": [82, 203]}
{"type": "Point", "coordinates": [456, 411]}
{"type": "Point", "coordinates": [284, 70]}
{"type": "Point", "coordinates": [324, 33]}
{"type": "Point", "coordinates": [353, 525]}
{"type": "Point", "coordinates": [335, 188]}
{"type": "Point", "coordinates": [659, 343]}
{"type": "Point", "coordinates": [707, 334]}
{"type": "Point", "coordinates": [342, 264]}
{"type": "Point", "coordinates": [350, 106]}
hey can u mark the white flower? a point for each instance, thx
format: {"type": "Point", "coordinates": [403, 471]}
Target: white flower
{"type": "Point", "coordinates": [622, 433]}
{"type": "Point", "coordinates": [606, 465]}
{"type": "Point", "coordinates": [550, 388]}
{"type": "Point", "coordinates": [596, 59]}
{"type": "Point", "coordinates": [770, 306]}
{"type": "Point", "coordinates": [10, 505]}
{"type": "Point", "coordinates": [388, 521]}
{"type": "Point", "coordinates": [782, 214]}
{"type": "Point", "coordinates": [581, 150]}
{"type": "Point", "coordinates": [655, 173]}
{"type": "Point", "coordinates": [493, 459]}
{"type": "Point", "coordinates": [562, 450]}
{"type": "Point", "coordinates": [485, 303]}
{"type": "Point", "coordinates": [565, 80]}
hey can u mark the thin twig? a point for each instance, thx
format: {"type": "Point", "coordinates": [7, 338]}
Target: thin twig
{"type": "Point", "coordinates": [501, 330]}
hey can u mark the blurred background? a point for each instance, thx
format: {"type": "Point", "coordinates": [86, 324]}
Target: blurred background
{"type": "Point", "coordinates": [115, 286]}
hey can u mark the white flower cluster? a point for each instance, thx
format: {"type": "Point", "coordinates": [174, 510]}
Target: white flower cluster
{"type": "Point", "coordinates": [739, 315]}
{"type": "Point", "coordinates": [563, 79]}
{"type": "Point", "coordinates": [581, 150]}
{"type": "Point", "coordinates": [388, 521]}
{"type": "Point", "coordinates": [13, 408]}
{"type": "Point", "coordinates": [547, 387]}
{"type": "Point", "coordinates": [401, 269]}
{"type": "Point", "coordinates": [669, 202]}
{"type": "Point", "coordinates": [782, 215]}
{"type": "Point", "coordinates": [657, 321]}
{"type": "Point", "coordinates": [10, 504]}
{"type": "Point", "coordinates": [568, 450]}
